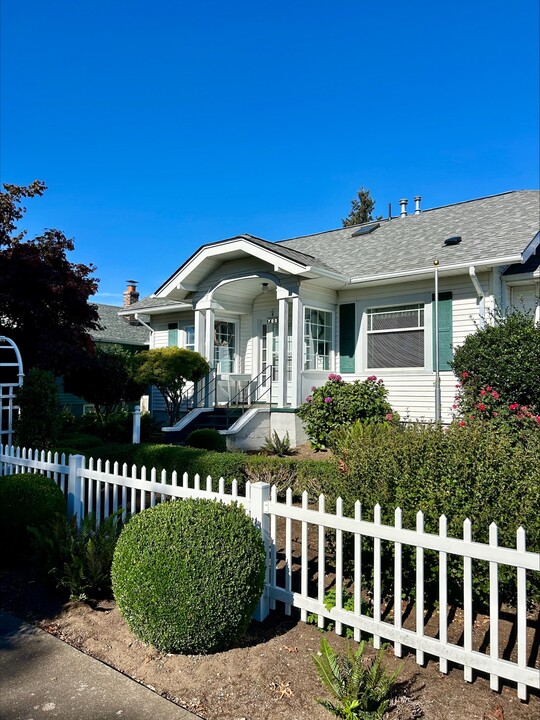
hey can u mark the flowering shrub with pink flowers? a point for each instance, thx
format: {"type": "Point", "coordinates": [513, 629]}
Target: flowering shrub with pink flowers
{"type": "Point", "coordinates": [505, 357]}
{"type": "Point", "coordinates": [475, 402]}
{"type": "Point", "coordinates": [338, 404]}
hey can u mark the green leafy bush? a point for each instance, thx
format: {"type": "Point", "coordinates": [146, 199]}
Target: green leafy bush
{"type": "Point", "coordinates": [80, 558]}
{"type": "Point", "coordinates": [475, 471]}
{"type": "Point", "coordinates": [337, 404]}
{"type": "Point", "coordinates": [504, 355]}
{"type": "Point", "coordinates": [363, 690]}
{"type": "Point", "coordinates": [187, 575]}
{"type": "Point", "coordinates": [39, 421]}
{"type": "Point", "coordinates": [315, 476]}
{"type": "Point", "coordinates": [26, 500]}
{"type": "Point", "coordinates": [207, 439]}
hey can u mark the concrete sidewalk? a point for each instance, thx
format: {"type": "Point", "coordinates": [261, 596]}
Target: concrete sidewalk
{"type": "Point", "coordinates": [43, 677]}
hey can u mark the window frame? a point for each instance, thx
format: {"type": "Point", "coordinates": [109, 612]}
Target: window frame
{"type": "Point", "coordinates": [331, 341]}
{"type": "Point", "coordinates": [387, 304]}
{"type": "Point", "coordinates": [235, 359]}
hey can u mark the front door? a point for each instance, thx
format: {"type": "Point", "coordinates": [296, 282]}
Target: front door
{"type": "Point", "coordinates": [269, 357]}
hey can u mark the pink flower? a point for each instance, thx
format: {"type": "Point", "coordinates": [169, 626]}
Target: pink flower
{"type": "Point", "coordinates": [313, 388]}
{"type": "Point", "coordinates": [537, 418]}
{"type": "Point", "coordinates": [461, 423]}
{"type": "Point", "coordinates": [454, 407]}
{"type": "Point", "coordinates": [482, 392]}
{"type": "Point", "coordinates": [465, 374]}
{"type": "Point", "coordinates": [334, 377]}
{"type": "Point", "coordinates": [389, 416]}
{"type": "Point", "coordinates": [380, 381]}
{"type": "Point", "coordinates": [488, 388]}
{"type": "Point", "coordinates": [481, 406]}
{"type": "Point", "coordinates": [327, 399]}
{"type": "Point", "coordinates": [495, 414]}
{"type": "Point", "coordinates": [309, 398]}
{"type": "Point", "coordinates": [513, 406]}
{"type": "Point", "coordinates": [371, 378]}
{"type": "Point", "coordinates": [495, 395]}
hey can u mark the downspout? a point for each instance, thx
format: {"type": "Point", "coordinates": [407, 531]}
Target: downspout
{"type": "Point", "coordinates": [144, 324]}
{"type": "Point", "coordinates": [481, 295]}
{"type": "Point", "coordinates": [151, 329]}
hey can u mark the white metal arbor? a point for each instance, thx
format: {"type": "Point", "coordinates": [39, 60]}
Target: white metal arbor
{"type": "Point", "coordinates": [11, 377]}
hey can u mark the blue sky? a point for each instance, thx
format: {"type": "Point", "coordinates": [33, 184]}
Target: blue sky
{"type": "Point", "coordinates": [162, 126]}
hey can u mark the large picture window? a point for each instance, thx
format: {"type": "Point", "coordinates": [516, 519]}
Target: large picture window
{"type": "Point", "coordinates": [395, 337]}
{"type": "Point", "coordinates": [317, 339]}
{"type": "Point", "coordinates": [224, 346]}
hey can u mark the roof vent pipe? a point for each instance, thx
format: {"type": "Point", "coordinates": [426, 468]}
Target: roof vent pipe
{"type": "Point", "coordinates": [417, 210]}
{"type": "Point", "coordinates": [403, 204]}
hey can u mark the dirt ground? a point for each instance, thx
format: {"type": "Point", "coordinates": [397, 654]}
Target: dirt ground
{"type": "Point", "coordinates": [269, 676]}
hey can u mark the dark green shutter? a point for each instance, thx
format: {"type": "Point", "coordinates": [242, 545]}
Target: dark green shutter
{"type": "Point", "coordinates": [445, 330]}
{"type": "Point", "coordinates": [173, 335]}
{"type": "Point", "coordinates": [347, 337]}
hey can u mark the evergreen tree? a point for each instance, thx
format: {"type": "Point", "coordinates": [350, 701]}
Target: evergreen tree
{"type": "Point", "coordinates": [361, 209]}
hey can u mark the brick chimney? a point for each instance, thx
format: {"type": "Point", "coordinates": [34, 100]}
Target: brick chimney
{"type": "Point", "coordinates": [131, 295]}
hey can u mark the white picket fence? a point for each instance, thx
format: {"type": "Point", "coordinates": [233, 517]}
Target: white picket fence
{"type": "Point", "coordinates": [299, 571]}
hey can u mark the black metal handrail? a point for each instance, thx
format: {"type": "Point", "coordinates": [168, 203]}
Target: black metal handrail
{"type": "Point", "coordinates": [252, 393]}
{"type": "Point", "coordinates": [204, 391]}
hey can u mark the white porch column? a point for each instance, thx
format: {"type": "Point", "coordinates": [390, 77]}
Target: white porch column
{"type": "Point", "coordinates": [199, 331]}
{"type": "Point", "coordinates": [209, 332]}
{"type": "Point", "coordinates": [282, 357]}
{"type": "Point", "coordinates": [297, 352]}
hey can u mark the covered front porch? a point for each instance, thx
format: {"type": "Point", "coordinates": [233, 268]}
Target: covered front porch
{"type": "Point", "coordinates": [250, 331]}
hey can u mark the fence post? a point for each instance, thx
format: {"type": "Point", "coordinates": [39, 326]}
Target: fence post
{"type": "Point", "coordinates": [260, 494]}
{"type": "Point", "coordinates": [74, 499]}
{"type": "Point", "coordinates": [136, 439]}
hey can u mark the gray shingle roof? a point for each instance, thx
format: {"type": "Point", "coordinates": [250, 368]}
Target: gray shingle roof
{"type": "Point", "coordinates": [152, 303]}
{"type": "Point", "coordinates": [116, 330]}
{"type": "Point", "coordinates": [493, 227]}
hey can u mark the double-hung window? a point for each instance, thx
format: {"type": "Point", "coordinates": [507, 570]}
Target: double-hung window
{"type": "Point", "coordinates": [395, 337]}
{"type": "Point", "coordinates": [318, 331]}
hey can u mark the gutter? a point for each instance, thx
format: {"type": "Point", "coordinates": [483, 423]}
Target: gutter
{"type": "Point", "coordinates": [427, 272]}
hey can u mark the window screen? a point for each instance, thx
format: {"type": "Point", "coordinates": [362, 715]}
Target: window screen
{"type": "Point", "coordinates": [395, 337]}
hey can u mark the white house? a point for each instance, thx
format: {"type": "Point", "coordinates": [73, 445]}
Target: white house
{"type": "Point", "coordinates": [275, 318]}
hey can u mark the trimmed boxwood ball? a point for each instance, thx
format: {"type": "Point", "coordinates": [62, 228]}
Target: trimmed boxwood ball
{"type": "Point", "coordinates": [26, 500]}
{"type": "Point", "coordinates": [207, 439]}
{"type": "Point", "coordinates": [187, 575]}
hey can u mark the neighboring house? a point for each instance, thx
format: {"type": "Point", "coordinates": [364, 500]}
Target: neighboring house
{"type": "Point", "coordinates": [125, 332]}
{"type": "Point", "coordinates": [275, 318]}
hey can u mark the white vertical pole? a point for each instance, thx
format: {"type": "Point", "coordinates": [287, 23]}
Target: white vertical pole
{"type": "Point", "coordinates": [357, 569]}
{"type": "Point", "coordinates": [282, 355]}
{"type": "Point", "coordinates": [297, 352]}
{"type": "Point", "coordinates": [76, 463]}
{"type": "Point", "coordinates": [304, 554]}
{"type": "Point", "coordinates": [493, 608]}
{"type": "Point", "coordinates": [437, 369]}
{"type": "Point", "coordinates": [288, 550]}
{"type": "Point", "coordinates": [339, 564]}
{"type": "Point", "coordinates": [443, 594]}
{"type": "Point", "coordinates": [521, 614]}
{"type": "Point", "coordinates": [420, 587]}
{"type": "Point", "coordinates": [321, 569]}
{"type": "Point", "coordinates": [377, 576]}
{"type": "Point", "coordinates": [398, 523]}
{"type": "Point", "coordinates": [273, 541]}
{"type": "Point", "coordinates": [467, 600]}
{"type": "Point", "coordinates": [136, 438]}
{"type": "Point", "coordinates": [260, 494]}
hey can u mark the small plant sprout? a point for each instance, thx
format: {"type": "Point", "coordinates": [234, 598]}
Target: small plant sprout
{"type": "Point", "coordinates": [361, 688]}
